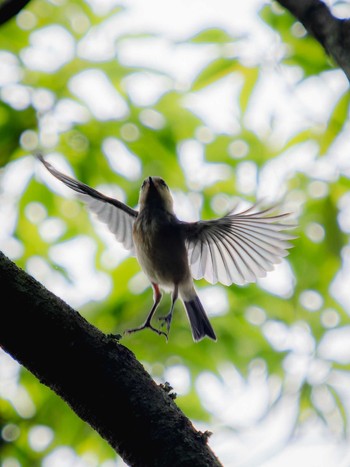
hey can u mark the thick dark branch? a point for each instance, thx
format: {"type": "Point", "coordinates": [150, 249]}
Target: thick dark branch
{"type": "Point", "coordinates": [10, 8]}
{"type": "Point", "coordinates": [100, 379]}
{"type": "Point", "coordinates": [332, 33]}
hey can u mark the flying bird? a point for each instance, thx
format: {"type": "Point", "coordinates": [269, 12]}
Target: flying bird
{"type": "Point", "coordinates": [237, 248]}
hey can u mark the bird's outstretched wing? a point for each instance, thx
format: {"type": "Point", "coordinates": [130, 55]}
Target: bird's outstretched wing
{"type": "Point", "coordinates": [118, 216]}
{"type": "Point", "coordinates": [239, 247]}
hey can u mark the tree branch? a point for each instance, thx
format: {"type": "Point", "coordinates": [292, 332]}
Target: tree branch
{"type": "Point", "coordinates": [331, 32]}
{"type": "Point", "coordinates": [100, 379]}
{"type": "Point", "coordinates": [10, 8]}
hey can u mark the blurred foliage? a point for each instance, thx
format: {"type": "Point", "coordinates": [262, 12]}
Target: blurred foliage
{"type": "Point", "coordinates": [156, 138]}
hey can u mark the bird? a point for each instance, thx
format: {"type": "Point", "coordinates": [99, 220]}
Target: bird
{"type": "Point", "coordinates": [239, 247]}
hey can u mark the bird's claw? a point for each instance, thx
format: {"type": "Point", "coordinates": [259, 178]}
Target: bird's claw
{"type": "Point", "coordinates": [165, 320]}
{"type": "Point", "coordinates": [144, 326]}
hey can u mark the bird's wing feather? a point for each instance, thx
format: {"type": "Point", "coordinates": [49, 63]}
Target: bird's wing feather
{"type": "Point", "coordinates": [239, 247]}
{"type": "Point", "coordinates": [118, 216]}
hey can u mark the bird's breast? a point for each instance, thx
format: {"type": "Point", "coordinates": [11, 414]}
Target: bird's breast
{"type": "Point", "coordinates": [160, 249]}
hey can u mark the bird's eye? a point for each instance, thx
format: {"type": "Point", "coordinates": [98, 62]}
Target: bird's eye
{"type": "Point", "coordinates": [162, 182]}
{"type": "Point", "coordinates": [143, 184]}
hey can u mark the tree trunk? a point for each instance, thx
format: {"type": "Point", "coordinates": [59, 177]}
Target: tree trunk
{"type": "Point", "coordinates": [331, 32]}
{"type": "Point", "coordinates": [99, 378]}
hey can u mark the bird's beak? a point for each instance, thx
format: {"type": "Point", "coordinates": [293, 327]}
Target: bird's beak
{"type": "Point", "coordinates": [150, 181]}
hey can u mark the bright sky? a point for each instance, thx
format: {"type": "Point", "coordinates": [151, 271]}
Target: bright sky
{"type": "Point", "coordinates": [263, 442]}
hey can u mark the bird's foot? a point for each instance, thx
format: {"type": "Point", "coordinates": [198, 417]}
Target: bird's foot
{"type": "Point", "coordinates": [147, 324]}
{"type": "Point", "coordinates": [166, 321]}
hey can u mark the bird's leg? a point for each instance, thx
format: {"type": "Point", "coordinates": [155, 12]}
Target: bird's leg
{"type": "Point", "coordinates": [147, 324]}
{"type": "Point", "coordinates": [167, 318]}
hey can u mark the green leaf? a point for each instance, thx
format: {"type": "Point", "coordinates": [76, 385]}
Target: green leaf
{"type": "Point", "coordinates": [12, 124]}
{"type": "Point", "coordinates": [336, 123]}
{"type": "Point", "coordinates": [211, 36]}
{"type": "Point", "coordinates": [340, 404]}
{"type": "Point", "coordinates": [216, 70]}
{"type": "Point", "coordinates": [251, 76]}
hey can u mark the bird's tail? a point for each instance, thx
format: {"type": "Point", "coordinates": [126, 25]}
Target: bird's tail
{"type": "Point", "coordinates": [199, 321]}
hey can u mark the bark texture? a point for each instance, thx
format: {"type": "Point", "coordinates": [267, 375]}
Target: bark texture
{"type": "Point", "coordinates": [99, 378]}
{"type": "Point", "coordinates": [10, 8]}
{"type": "Point", "coordinates": [331, 32]}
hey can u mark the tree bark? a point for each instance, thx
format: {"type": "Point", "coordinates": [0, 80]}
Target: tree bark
{"type": "Point", "coordinates": [98, 377]}
{"type": "Point", "coordinates": [10, 8]}
{"type": "Point", "coordinates": [331, 32]}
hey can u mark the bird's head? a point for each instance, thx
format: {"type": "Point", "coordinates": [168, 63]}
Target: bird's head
{"type": "Point", "coordinates": [155, 193]}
